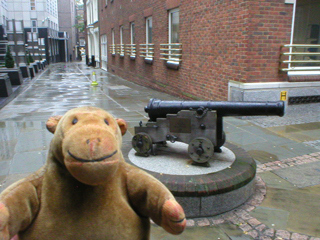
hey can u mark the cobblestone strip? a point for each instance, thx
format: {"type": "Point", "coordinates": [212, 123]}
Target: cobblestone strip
{"type": "Point", "coordinates": [289, 162]}
{"type": "Point", "coordinates": [249, 225]}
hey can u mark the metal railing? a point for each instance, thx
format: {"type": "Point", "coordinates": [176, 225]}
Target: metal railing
{"type": "Point", "coordinates": [120, 49]}
{"type": "Point", "coordinates": [130, 50]}
{"type": "Point", "coordinates": [112, 49]}
{"type": "Point", "coordinates": [171, 52]}
{"type": "Point", "coordinates": [300, 57]}
{"type": "Point", "coordinates": [147, 50]}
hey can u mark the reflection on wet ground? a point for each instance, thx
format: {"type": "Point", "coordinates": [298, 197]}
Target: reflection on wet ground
{"type": "Point", "coordinates": [292, 192]}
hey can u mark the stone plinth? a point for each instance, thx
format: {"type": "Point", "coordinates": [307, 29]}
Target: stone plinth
{"type": "Point", "coordinates": [15, 75]}
{"type": "Point", "coordinates": [5, 85]}
{"type": "Point", "coordinates": [202, 191]}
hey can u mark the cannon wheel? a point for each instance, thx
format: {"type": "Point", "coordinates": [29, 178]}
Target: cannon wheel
{"type": "Point", "coordinates": [142, 143]}
{"type": "Point", "coordinates": [200, 150]}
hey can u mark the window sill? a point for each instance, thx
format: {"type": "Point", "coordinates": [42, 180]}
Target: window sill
{"type": "Point", "coordinates": [113, 54]}
{"type": "Point", "coordinates": [132, 58]}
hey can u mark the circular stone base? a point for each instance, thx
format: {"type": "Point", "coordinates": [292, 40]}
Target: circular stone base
{"type": "Point", "coordinates": [174, 159]}
{"type": "Point", "coordinates": [202, 191]}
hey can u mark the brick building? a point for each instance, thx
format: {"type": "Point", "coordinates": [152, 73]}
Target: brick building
{"type": "Point", "coordinates": [213, 49]}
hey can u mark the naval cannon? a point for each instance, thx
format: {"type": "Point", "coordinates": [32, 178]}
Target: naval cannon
{"type": "Point", "coordinates": [196, 123]}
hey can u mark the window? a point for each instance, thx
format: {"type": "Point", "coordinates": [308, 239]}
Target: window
{"type": "Point", "coordinates": [121, 42]}
{"type": "Point", "coordinates": [132, 33]}
{"type": "Point", "coordinates": [32, 37]}
{"type": "Point", "coordinates": [33, 4]}
{"type": "Point", "coordinates": [104, 51]}
{"type": "Point", "coordinates": [82, 42]}
{"type": "Point", "coordinates": [41, 41]}
{"type": "Point", "coordinates": [113, 49]}
{"type": "Point", "coordinates": [149, 30]}
{"type": "Point", "coordinates": [35, 37]}
{"type": "Point", "coordinates": [174, 26]}
{"type": "Point", "coordinates": [172, 51]}
{"type": "Point", "coordinates": [149, 45]}
{"type": "Point", "coordinates": [34, 25]}
{"type": "Point", "coordinates": [132, 45]}
{"type": "Point", "coordinates": [29, 36]}
{"type": "Point", "coordinates": [174, 46]}
{"type": "Point", "coordinates": [112, 32]}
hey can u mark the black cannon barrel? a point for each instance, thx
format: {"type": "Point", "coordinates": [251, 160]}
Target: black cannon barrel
{"type": "Point", "coordinates": [159, 109]}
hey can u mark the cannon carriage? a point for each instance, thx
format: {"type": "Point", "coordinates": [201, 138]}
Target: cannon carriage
{"type": "Point", "coordinates": [196, 123]}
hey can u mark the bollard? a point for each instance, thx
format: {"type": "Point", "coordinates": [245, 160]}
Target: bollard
{"type": "Point", "coordinates": [94, 79]}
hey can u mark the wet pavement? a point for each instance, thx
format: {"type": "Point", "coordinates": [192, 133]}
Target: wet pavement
{"type": "Point", "coordinates": [286, 204]}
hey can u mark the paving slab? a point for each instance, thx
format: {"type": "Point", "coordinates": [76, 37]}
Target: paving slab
{"type": "Point", "coordinates": [36, 140]}
{"type": "Point", "coordinates": [302, 175]}
{"type": "Point", "coordinates": [291, 209]}
{"type": "Point", "coordinates": [204, 233]}
{"type": "Point", "coordinates": [274, 181]}
{"type": "Point", "coordinates": [272, 217]}
{"type": "Point", "coordinates": [27, 162]}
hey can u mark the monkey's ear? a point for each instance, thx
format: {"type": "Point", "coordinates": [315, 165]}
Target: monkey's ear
{"type": "Point", "coordinates": [52, 123]}
{"type": "Point", "coordinates": [122, 125]}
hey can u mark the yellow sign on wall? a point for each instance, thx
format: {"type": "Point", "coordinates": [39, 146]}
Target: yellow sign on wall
{"type": "Point", "coordinates": [283, 96]}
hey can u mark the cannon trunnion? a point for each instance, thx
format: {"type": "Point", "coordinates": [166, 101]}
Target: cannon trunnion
{"type": "Point", "coordinates": [196, 123]}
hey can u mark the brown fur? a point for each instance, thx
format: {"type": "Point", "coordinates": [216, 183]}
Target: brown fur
{"type": "Point", "coordinates": [86, 190]}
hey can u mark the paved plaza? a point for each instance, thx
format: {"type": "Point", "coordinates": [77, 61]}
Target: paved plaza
{"type": "Point", "coordinates": [286, 202]}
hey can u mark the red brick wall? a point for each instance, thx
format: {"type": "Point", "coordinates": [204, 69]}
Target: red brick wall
{"type": "Point", "coordinates": [222, 40]}
{"type": "Point", "coordinates": [270, 27]}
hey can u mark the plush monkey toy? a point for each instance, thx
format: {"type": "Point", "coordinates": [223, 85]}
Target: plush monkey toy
{"type": "Point", "coordinates": [86, 190]}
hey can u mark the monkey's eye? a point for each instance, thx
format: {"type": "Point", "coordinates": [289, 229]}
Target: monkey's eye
{"type": "Point", "coordinates": [106, 121]}
{"type": "Point", "coordinates": [74, 121]}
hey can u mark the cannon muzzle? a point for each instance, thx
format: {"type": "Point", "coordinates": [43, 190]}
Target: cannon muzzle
{"type": "Point", "coordinates": [159, 109]}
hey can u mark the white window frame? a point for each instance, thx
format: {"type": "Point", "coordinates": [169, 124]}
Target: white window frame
{"type": "Point", "coordinates": [29, 36]}
{"type": "Point", "coordinates": [132, 33]}
{"type": "Point", "coordinates": [112, 42]}
{"type": "Point", "coordinates": [170, 29]}
{"type": "Point", "coordinates": [132, 45]}
{"type": "Point", "coordinates": [121, 41]}
{"type": "Point", "coordinates": [104, 48]}
{"type": "Point", "coordinates": [148, 20]}
{"type": "Point", "coordinates": [170, 20]}
{"type": "Point", "coordinates": [34, 28]}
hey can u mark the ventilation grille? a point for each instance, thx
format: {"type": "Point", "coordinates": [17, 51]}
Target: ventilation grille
{"type": "Point", "coordinates": [303, 99]}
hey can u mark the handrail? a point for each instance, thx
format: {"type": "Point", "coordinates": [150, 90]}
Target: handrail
{"type": "Point", "coordinates": [171, 52]}
{"type": "Point", "coordinates": [149, 50]}
{"type": "Point", "coordinates": [120, 49]}
{"type": "Point", "coordinates": [112, 49]}
{"type": "Point", "coordinates": [130, 50]}
{"type": "Point", "coordinates": [300, 57]}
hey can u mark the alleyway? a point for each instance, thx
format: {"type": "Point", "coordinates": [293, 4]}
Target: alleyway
{"type": "Point", "coordinates": [287, 151]}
